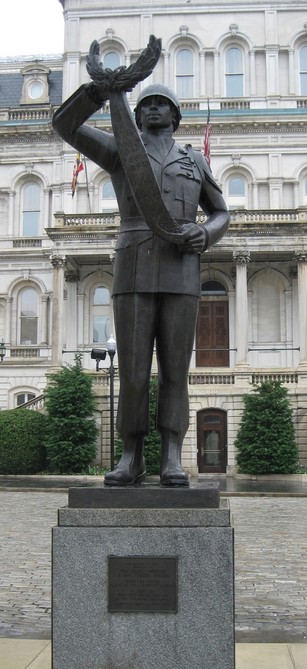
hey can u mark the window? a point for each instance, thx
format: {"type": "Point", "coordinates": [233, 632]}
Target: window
{"type": "Point", "coordinates": [101, 314]}
{"type": "Point", "coordinates": [213, 288]}
{"type": "Point", "coordinates": [184, 74]}
{"type": "Point", "coordinates": [234, 73]}
{"type": "Point", "coordinates": [28, 316]}
{"type": "Point", "coordinates": [303, 70]}
{"type": "Point", "coordinates": [31, 210]}
{"type": "Point", "coordinates": [21, 398]}
{"type": "Point", "coordinates": [236, 193]}
{"type": "Point", "coordinates": [111, 60]}
{"type": "Point", "coordinates": [109, 201]}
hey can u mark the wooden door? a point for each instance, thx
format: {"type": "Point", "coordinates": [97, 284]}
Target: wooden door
{"type": "Point", "coordinates": [212, 334]}
{"type": "Point", "coordinates": [212, 441]}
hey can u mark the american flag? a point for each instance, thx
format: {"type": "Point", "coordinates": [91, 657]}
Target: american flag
{"type": "Point", "coordinates": [206, 147]}
{"type": "Point", "coordinates": [78, 167]}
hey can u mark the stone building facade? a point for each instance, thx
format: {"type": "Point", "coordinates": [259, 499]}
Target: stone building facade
{"type": "Point", "coordinates": [56, 252]}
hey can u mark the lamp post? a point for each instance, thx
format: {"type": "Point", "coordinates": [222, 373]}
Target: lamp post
{"type": "Point", "coordinates": [2, 350]}
{"type": "Point", "coordinates": [111, 348]}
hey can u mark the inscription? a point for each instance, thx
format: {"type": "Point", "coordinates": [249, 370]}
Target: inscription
{"type": "Point", "coordinates": [142, 584]}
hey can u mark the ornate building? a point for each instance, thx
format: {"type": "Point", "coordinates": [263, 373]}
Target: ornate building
{"type": "Point", "coordinates": [56, 252]}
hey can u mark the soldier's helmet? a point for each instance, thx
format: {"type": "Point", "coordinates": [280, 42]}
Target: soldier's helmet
{"type": "Point", "coordinates": [165, 92]}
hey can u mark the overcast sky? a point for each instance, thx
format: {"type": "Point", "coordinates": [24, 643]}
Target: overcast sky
{"type": "Point", "coordinates": [29, 27]}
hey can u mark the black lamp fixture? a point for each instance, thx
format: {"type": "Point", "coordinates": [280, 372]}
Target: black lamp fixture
{"type": "Point", "coordinates": [99, 354]}
{"type": "Point", "coordinates": [2, 350]}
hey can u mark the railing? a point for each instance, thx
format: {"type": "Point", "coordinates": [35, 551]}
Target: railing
{"type": "Point", "coordinates": [98, 220]}
{"type": "Point", "coordinates": [24, 352]}
{"type": "Point", "coordinates": [26, 243]}
{"type": "Point", "coordinates": [37, 404]}
{"type": "Point", "coordinates": [34, 114]}
{"type": "Point", "coordinates": [211, 378]}
{"type": "Point", "coordinates": [235, 104]}
{"type": "Point", "coordinates": [284, 377]}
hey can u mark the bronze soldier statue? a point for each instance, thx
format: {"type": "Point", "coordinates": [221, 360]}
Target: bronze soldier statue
{"type": "Point", "coordinates": [159, 186]}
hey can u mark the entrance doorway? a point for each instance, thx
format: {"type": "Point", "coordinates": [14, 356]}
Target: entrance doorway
{"type": "Point", "coordinates": [212, 329]}
{"type": "Point", "coordinates": [212, 441]}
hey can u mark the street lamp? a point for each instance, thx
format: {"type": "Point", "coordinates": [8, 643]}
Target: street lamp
{"type": "Point", "coordinates": [2, 350]}
{"type": "Point", "coordinates": [111, 348]}
{"type": "Point", "coordinates": [99, 354]}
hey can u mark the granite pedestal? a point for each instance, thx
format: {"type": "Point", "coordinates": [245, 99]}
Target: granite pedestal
{"type": "Point", "coordinates": [169, 604]}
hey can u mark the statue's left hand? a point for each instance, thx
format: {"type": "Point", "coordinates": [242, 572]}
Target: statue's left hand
{"type": "Point", "coordinates": [195, 238]}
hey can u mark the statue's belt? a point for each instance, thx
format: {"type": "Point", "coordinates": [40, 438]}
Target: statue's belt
{"type": "Point", "coordinates": [138, 224]}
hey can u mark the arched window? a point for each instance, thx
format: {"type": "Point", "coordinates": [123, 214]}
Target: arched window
{"type": "Point", "coordinates": [236, 195]}
{"type": "Point", "coordinates": [303, 70]}
{"type": "Point", "coordinates": [108, 197]}
{"type": "Point", "coordinates": [234, 72]}
{"type": "Point", "coordinates": [111, 60]}
{"type": "Point", "coordinates": [101, 314]}
{"type": "Point", "coordinates": [28, 316]}
{"type": "Point", "coordinates": [184, 74]}
{"type": "Point", "coordinates": [213, 288]}
{"type": "Point", "coordinates": [21, 398]}
{"type": "Point", "coordinates": [30, 210]}
{"type": "Point", "coordinates": [305, 191]}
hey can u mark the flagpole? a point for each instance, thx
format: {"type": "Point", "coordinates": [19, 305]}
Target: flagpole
{"type": "Point", "coordinates": [206, 145]}
{"type": "Point", "coordinates": [87, 188]}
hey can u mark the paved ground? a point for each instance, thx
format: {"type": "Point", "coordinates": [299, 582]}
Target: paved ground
{"type": "Point", "coordinates": [271, 565]}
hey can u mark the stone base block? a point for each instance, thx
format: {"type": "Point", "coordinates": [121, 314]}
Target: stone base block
{"type": "Point", "coordinates": [195, 633]}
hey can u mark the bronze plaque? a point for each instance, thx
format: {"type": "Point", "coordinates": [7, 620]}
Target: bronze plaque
{"type": "Point", "coordinates": [142, 584]}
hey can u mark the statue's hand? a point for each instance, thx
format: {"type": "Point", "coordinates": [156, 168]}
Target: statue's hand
{"type": "Point", "coordinates": [195, 238]}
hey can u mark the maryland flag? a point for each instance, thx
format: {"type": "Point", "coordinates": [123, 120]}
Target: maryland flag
{"type": "Point", "coordinates": [206, 147]}
{"type": "Point", "coordinates": [78, 167]}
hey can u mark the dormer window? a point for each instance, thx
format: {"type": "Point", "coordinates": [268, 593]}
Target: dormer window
{"type": "Point", "coordinates": [35, 89]}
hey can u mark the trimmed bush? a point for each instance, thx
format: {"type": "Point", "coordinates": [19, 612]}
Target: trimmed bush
{"type": "Point", "coordinates": [71, 428]}
{"type": "Point", "coordinates": [21, 441]}
{"type": "Point", "coordinates": [152, 442]}
{"type": "Point", "coordinates": [266, 438]}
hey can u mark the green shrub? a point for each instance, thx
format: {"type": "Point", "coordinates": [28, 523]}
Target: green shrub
{"type": "Point", "coordinates": [71, 428]}
{"type": "Point", "coordinates": [152, 442]}
{"type": "Point", "coordinates": [21, 441]}
{"type": "Point", "coordinates": [266, 438]}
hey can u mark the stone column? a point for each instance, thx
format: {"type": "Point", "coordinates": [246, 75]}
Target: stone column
{"type": "Point", "coordinates": [71, 278]}
{"type": "Point", "coordinates": [252, 72]}
{"type": "Point", "coordinates": [202, 77]}
{"type": "Point", "coordinates": [300, 258]}
{"type": "Point", "coordinates": [8, 316]}
{"type": "Point", "coordinates": [11, 230]}
{"type": "Point", "coordinates": [166, 61]}
{"type": "Point", "coordinates": [44, 319]}
{"type": "Point", "coordinates": [217, 74]}
{"type": "Point", "coordinates": [241, 258]}
{"type": "Point", "coordinates": [58, 262]}
{"type": "Point", "coordinates": [292, 77]}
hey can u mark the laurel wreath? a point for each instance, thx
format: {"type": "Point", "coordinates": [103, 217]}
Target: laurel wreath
{"type": "Point", "coordinates": [123, 78]}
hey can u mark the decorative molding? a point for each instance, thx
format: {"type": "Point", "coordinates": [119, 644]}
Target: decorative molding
{"type": "Point", "coordinates": [236, 159]}
{"type": "Point", "coordinates": [110, 32]}
{"type": "Point", "coordinates": [300, 257]}
{"type": "Point", "coordinates": [233, 28]}
{"type": "Point", "coordinates": [57, 261]}
{"type": "Point", "coordinates": [184, 30]}
{"type": "Point", "coordinates": [241, 256]}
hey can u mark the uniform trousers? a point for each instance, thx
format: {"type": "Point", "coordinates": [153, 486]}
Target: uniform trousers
{"type": "Point", "coordinates": [143, 320]}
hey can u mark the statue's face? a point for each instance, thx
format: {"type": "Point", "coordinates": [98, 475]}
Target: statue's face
{"type": "Point", "coordinates": [156, 112]}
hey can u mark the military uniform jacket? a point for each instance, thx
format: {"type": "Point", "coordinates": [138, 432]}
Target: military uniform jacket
{"type": "Point", "coordinates": [144, 261]}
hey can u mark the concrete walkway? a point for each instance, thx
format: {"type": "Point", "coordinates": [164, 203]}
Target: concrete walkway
{"type": "Point", "coordinates": [34, 654]}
